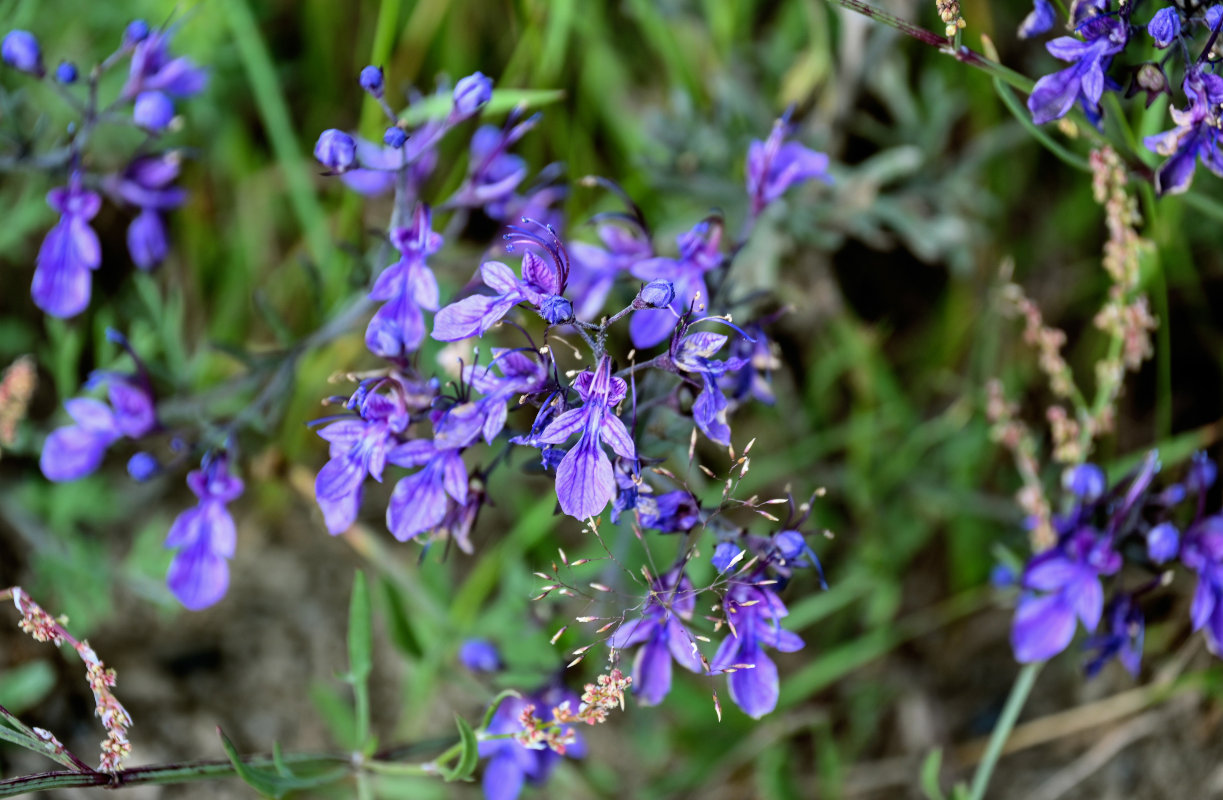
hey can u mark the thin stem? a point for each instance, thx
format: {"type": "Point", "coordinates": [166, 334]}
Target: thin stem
{"type": "Point", "coordinates": [963, 54]}
{"type": "Point", "coordinates": [1010, 714]}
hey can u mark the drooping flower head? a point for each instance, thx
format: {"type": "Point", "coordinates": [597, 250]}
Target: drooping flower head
{"type": "Point", "coordinates": [695, 355]}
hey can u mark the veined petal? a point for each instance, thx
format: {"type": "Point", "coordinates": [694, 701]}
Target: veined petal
{"type": "Point", "coordinates": [652, 672]}
{"type": "Point", "coordinates": [651, 326]}
{"type": "Point", "coordinates": [412, 453]}
{"type": "Point", "coordinates": [632, 632]}
{"type": "Point", "coordinates": [565, 426]}
{"type": "Point", "coordinates": [755, 690]}
{"type": "Point", "coordinates": [1043, 627]}
{"type": "Point", "coordinates": [418, 503]}
{"type": "Point", "coordinates": [198, 577]}
{"type": "Point", "coordinates": [464, 319]}
{"type": "Point", "coordinates": [454, 478]}
{"type": "Point", "coordinates": [584, 480]}
{"type": "Point", "coordinates": [680, 643]}
{"type": "Point", "coordinates": [498, 277]}
{"type": "Point", "coordinates": [616, 435]}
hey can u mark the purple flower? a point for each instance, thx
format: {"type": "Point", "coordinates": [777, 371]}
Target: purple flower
{"type": "Point", "coordinates": [698, 254]}
{"type": "Point", "coordinates": [661, 633]}
{"type": "Point", "coordinates": [493, 173]}
{"type": "Point", "coordinates": [754, 376]}
{"type": "Point", "coordinates": [1069, 577]}
{"type": "Point", "coordinates": [1196, 135]}
{"type": "Point", "coordinates": [398, 328]}
{"type": "Point", "coordinates": [69, 252]}
{"type": "Point", "coordinates": [335, 150]}
{"type": "Point", "coordinates": [480, 655]}
{"type": "Point", "coordinates": [595, 269]}
{"type": "Point", "coordinates": [471, 94]}
{"type": "Point", "coordinates": [1039, 20]}
{"type": "Point", "coordinates": [753, 614]}
{"type": "Point", "coordinates": [584, 481]}
{"type": "Point", "coordinates": [420, 501]}
{"type": "Point", "coordinates": [671, 512]}
{"type": "Point", "coordinates": [153, 70]}
{"type": "Point", "coordinates": [205, 537]}
{"type": "Point", "coordinates": [1165, 26]}
{"type": "Point", "coordinates": [774, 165]}
{"type": "Point", "coordinates": [137, 31]}
{"type": "Point", "coordinates": [474, 315]}
{"type": "Point", "coordinates": [395, 137]}
{"type": "Point", "coordinates": [1122, 637]}
{"type": "Point", "coordinates": [1103, 37]}
{"type": "Point", "coordinates": [74, 451]}
{"type": "Point", "coordinates": [1202, 552]}
{"type": "Point", "coordinates": [371, 80]}
{"type": "Point", "coordinates": [153, 111]}
{"type": "Point", "coordinates": [146, 240]}
{"type": "Point", "coordinates": [695, 355]}
{"type": "Point", "coordinates": [522, 373]}
{"type": "Point", "coordinates": [510, 764]}
{"type": "Point", "coordinates": [1202, 473]}
{"type": "Point", "coordinates": [359, 447]}
{"type": "Point", "coordinates": [142, 466]}
{"type": "Point", "coordinates": [20, 51]}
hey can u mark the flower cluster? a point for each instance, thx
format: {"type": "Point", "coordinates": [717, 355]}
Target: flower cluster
{"type": "Point", "coordinates": [205, 535]}
{"type": "Point", "coordinates": [580, 414]}
{"type": "Point", "coordinates": [144, 185]}
{"type": "Point", "coordinates": [1177, 34]}
{"type": "Point", "coordinates": [1115, 548]}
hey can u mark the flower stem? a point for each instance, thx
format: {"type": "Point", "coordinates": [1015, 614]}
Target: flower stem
{"type": "Point", "coordinates": [1010, 714]}
{"type": "Point", "coordinates": [963, 54]}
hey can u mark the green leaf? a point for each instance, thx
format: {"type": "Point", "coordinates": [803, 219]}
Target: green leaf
{"type": "Point", "coordinates": [360, 631]}
{"type": "Point", "coordinates": [929, 774]}
{"type": "Point", "coordinates": [468, 756]}
{"type": "Point", "coordinates": [25, 686]}
{"type": "Point", "coordinates": [269, 783]}
{"type": "Point", "coordinates": [397, 622]}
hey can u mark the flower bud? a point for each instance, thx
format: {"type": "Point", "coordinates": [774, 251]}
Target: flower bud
{"type": "Point", "coordinates": [20, 51]}
{"type": "Point", "coordinates": [723, 554]}
{"type": "Point", "coordinates": [153, 111]}
{"type": "Point", "coordinates": [1165, 26]}
{"type": "Point", "coordinates": [371, 81]}
{"type": "Point", "coordinates": [394, 137]}
{"type": "Point", "coordinates": [66, 72]}
{"type": "Point", "coordinates": [137, 31]}
{"type": "Point", "coordinates": [556, 309]}
{"type": "Point", "coordinates": [335, 150]}
{"type": "Point", "coordinates": [1163, 542]}
{"type": "Point", "coordinates": [790, 544]}
{"type": "Point", "coordinates": [471, 93]}
{"type": "Point", "coordinates": [1085, 481]}
{"type": "Point", "coordinates": [657, 294]}
{"type": "Point", "coordinates": [480, 655]}
{"type": "Point", "coordinates": [146, 240]}
{"type": "Point", "coordinates": [1202, 473]}
{"type": "Point", "coordinates": [142, 466]}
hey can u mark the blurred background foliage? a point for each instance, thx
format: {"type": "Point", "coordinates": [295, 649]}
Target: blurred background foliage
{"type": "Point", "coordinates": [891, 332]}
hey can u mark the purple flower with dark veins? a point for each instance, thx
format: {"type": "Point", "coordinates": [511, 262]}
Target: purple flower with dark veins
{"type": "Point", "coordinates": [698, 254]}
{"type": "Point", "coordinates": [69, 252]}
{"type": "Point", "coordinates": [661, 633]}
{"type": "Point", "coordinates": [584, 480]}
{"type": "Point", "coordinates": [408, 285]}
{"type": "Point", "coordinates": [1068, 576]}
{"type": "Point", "coordinates": [1195, 137]}
{"type": "Point", "coordinates": [205, 536]}
{"type": "Point", "coordinates": [774, 165]}
{"type": "Point", "coordinates": [753, 614]}
{"type": "Point", "coordinates": [359, 447]}
{"type": "Point", "coordinates": [474, 315]}
{"type": "Point", "coordinates": [695, 355]}
{"type": "Point", "coordinates": [1104, 36]}
{"type": "Point", "coordinates": [421, 500]}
